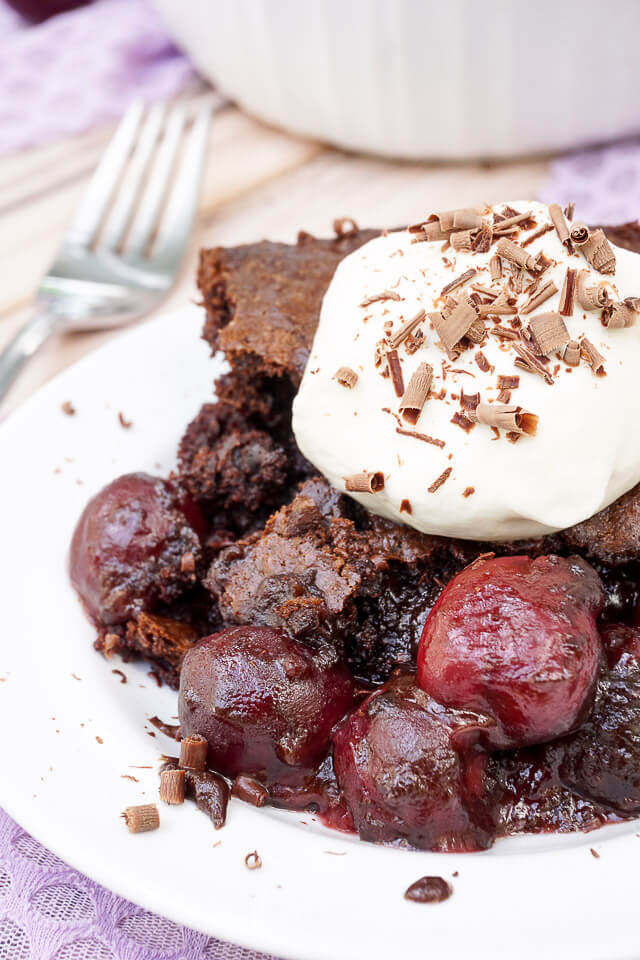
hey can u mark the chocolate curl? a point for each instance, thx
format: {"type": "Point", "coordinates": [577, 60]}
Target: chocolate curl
{"type": "Point", "coordinates": [501, 307]}
{"type": "Point", "coordinates": [567, 297]}
{"type": "Point", "coordinates": [593, 357]}
{"type": "Point", "coordinates": [384, 295]}
{"type": "Point", "coordinates": [526, 360]}
{"type": "Point", "coordinates": [452, 324]}
{"type": "Point", "coordinates": [142, 818]}
{"type": "Point", "coordinates": [590, 297]}
{"type": "Point", "coordinates": [458, 281]}
{"type": "Point", "coordinates": [549, 332]}
{"type": "Point", "coordinates": [416, 393]}
{"type": "Point", "coordinates": [448, 218]}
{"type": "Point", "coordinates": [571, 355]}
{"type": "Point", "coordinates": [172, 786]}
{"type": "Point", "coordinates": [395, 370]}
{"type": "Point", "coordinates": [559, 222]}
{"type": "Point", "coordinates": [505, 417]}
{"type": "Point", "coordinates": [437, 483]}
{"type": "Point", "coordinates": [339, 227]}
{"type": "Point", "coordinates": [477, 331]}
{"type": "Point", "coordinates": [579, 234]}
{"type": "Point", "coordinates": [537, 299]}
{"type": "Point", "coordinates": [599, 252]}
{"type": "Point", "coordinates": [193, 752]}
{"type": "Point", "coordinates": [407, 328]}
{"type": "Point", "coordinates": [467, 220]}
{"type": "Point", "coordinates": [483, 239]}
{"type": "Point", "coordinates": [510, 222]}
{"type": "Point", "coordinates": [249, 790]}
{"type": "Point", "coordinates": [346, 377]}
{"type": "Point", "coordinates": [461, 241]}
{"type": "Point", "coordinates": [428, 232]}
{"type": "Point", "coordinates": [495, 266]}
{"type": "Point", "coordinates": [516, 254]}
{"type": "Point", "coordinates": [617, 315]}
{"type": "Point", "coordinates": [365, 482]}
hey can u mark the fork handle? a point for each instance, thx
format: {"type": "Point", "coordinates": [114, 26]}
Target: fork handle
{"type": "Point", "coordinates": [26, 342]}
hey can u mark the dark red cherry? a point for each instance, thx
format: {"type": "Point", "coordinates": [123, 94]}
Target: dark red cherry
{"type": "Point", "coordinates": [516, 639]}
{"type": "Point", "coordinates": [410, 769]}
{"type": "Point", "coordinates": [132, 549]}
{"type": "Point", "coordinates": [265, 703]}
{"type": "Point", "coordinates": [602, 760]}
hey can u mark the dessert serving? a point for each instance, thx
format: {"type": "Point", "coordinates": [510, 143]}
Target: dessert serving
{"type": "Point", "coordinates": [395, 574]}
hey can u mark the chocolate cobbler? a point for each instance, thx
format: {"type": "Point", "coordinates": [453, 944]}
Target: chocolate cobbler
{"type": "Point", "coordinates": [345, 637]}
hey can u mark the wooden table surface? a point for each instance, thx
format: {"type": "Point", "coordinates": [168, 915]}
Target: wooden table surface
{"type": "Point", "coordinates": [259, 182]}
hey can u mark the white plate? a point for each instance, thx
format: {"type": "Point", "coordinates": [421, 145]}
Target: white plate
{"type": "Point", "coordinates": [319, 894]}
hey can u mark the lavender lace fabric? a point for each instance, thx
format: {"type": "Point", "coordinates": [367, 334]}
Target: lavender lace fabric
{"type": "Point", "coordinates": [48, 911]}
{"type": "Point", "coordinates": [604, 182]}
{"type": "Point", "coordinates": [43, 67]}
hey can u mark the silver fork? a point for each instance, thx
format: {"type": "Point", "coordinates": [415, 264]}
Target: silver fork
{"type": "Point", "coordinates": [122, 250]}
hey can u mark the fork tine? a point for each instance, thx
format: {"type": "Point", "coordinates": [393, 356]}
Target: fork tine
{"type": "Point", "coordinates": [154, 194]}
{"type": "Point", "coordinates": [183, 199]}
{"type": "Point", "coordinates": [129, 190]}
{"type": "Point", "coordinates": [98, 194]}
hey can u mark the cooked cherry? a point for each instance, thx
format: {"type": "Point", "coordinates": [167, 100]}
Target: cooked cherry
{"type": "Point", "coordinates": [132, 549]}
{"type": "Point", "coordinates": [266, 703]}
{"type": "Point", "coordinates": [411, 769]}
{"type": "Point", "coordinates": [602, 760]}
{"type": "Point", "coordinates": [516, 639]}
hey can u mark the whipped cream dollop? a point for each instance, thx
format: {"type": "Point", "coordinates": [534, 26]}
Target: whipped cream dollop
{"type": "Point", "coordinates": [445, 473]}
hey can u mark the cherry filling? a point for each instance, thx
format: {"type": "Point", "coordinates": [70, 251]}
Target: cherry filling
{"type": "Point", "coordinates": [411, 769]}
{"type": "Point", "coordinates": [515, 638]}
{"type": "Point", "coordinates": [265, 703]}
{"type": "Point", "coordinates": [133, 548]}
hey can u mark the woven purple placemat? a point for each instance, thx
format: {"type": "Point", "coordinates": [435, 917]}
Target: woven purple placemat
{"type": "Point", "coordinates": [81, 69]}
{"type": "Point", "coordinates": [48, 911]}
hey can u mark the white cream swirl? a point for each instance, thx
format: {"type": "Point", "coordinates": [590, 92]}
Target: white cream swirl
{"type": "Point", "coordinates": [585, 453]}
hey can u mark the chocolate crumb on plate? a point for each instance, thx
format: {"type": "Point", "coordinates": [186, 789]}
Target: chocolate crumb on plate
{"type": "Point", "coordinates": [428, 890]}
{"type": "Point", "coordinates": [142, 818]}
{"type": "Point", "coordinates": [252, 861]}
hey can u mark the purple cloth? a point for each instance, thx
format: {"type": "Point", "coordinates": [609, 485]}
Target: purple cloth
{"type": "Point", "coordinates": [604, 182]}
{"type": "Point", "coordinates": [81, 69]}
{"type": "Point", "coordinates": [50, 912]}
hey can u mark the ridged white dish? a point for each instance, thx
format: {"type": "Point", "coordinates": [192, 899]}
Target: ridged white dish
{"type": "Point", "coordinates": [424, 78]}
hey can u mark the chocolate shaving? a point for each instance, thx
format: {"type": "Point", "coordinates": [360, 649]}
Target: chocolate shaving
{"type": "Point", "coordinates": [420, 436]}
{"type": "Point", "coordinates": [570, 210]}
{"type": "Point", "coordinates": [414, 341]}
{"type": "Point", "coordinates": [461, 240]}
{"type": "Point", "coordinates": [502, 306]}
{"type": "Point", "coordinates": [193, 753]}
{"type": "Point", "coordinates": [385, 295]}
{"type": "Point", "coordinates": [469, 401]}
{"type": "Point", "coordinates": [506, 417]}
{"type": "Point", "coordinates": [508, 382]}
{"type": "Point", "coordinates": [562, 229]}
{"type": "Point", "coordinates": [483, 239]}
{"type": "Point", "coordinates": [252, 861]}
{"type": "Point", "coordinates": [617, 315]}
{"type": "Point", "coordinates": [476, 332]}
{"type": "Point", "coordinates": [504, 333]}
{"type": "Point", "coordinates": [510, 221]}
{"type": "Point", "coordinates": [68, 408]}
{"type": "Point", "coordinates": [504, 396]}
{"type": "Point", "coordinates": [599, 252]}
{"type": "Point", "coordinates": [365, 482]}
{"type": "Point", "coordinates": [453, 323]}
{"type": "Point", "coordinates": [142, 818]}
{"type": "Point", "coordinates": [513, 252]}
{"type": "Point", "coordinates": [592, 297]}
{"type": "Point", "coordinates": [571, 355]}
{"type": "Point", "coordinates": [458, 281]}
{"type": "Point", "coordinates": [593, 357]}
{"type": "Point", "coordinates": [484, 291]}
{"type": "Point", "coordinates": [405, 506]}
{"type": "Point", "coordinates": [438, 482]}
{"type": "Point", "coordinates": [568, 295]}
{"type": "Point", "coordinates": [172, 786]}
{"type": "Point", "coordinates": [346, 377]}
{"type": "Point", "coordinates": [468, 491]}
{"type": "Point", "coordinates": [460, 420]}
{"type": "Point", "coordinates": [416, 393]}
{"type": "Point", "coordinates": [339, 227]}
{"type": "Point", "coordinates": [396, 372]}
{"type": "Point", "coordinates": [526, 360]}
{"type": "Point", "coordinates": [482, 361]}
{"type": "Point", "coordinates": [406, 328]}
{"type": "Point", "coordinates": [467, 219]}
{"type": "Point", "coordinates": [495, 266]}
{"type": "Point", "coordinates": [539, 233]}
{"type": "Point", "coordinates": [538, 298]}
{"type": "Point", "coordinates": [249, 790]}
{"type": "Point", "coordinates": [428, 232]}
